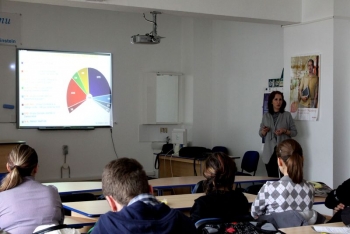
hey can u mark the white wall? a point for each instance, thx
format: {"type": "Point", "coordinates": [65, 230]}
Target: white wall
{"type": "Point", "coordinates": [75, 29]}
{"type": "Point", "coordinates": [226, 64]}
{"type": "Point", "coordinates": [316, 138]}
{"type": "Point", "coordinates": [317, 9]}
{"type": "Point", "coordinates": [245, 56]}
{"type": "Point", "coordinates": [341, 100]}
{"type": "Point", "coordinates": [268, 11]}
{"type": "Point", "coordinates": [341, 109]}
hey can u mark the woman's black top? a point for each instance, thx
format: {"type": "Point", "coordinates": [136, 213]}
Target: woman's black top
{"type": "Point", "coordinates": [228, 205]}
{"type": "Point", "coordinates": [339, 195]}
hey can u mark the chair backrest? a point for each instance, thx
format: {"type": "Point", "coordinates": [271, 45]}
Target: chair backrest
{"type": "Point", "coordinates": [202, 222]}
{"type": "Point", "coordinates": [198, 188]}
{"type": "Point", "coordinates": [250, 161]}
{"type": "Point", "coordinates": [253, 189]}
{"type": "Point", "coordinates": [2, 175]}
{"type": "Point", "coordinates": [222, 149]}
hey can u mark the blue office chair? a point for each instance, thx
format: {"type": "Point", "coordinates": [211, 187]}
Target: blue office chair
{"type": "Point", "coordinates": [249, 163]}
{"type": "Point", "coordinates": [198, 188]}
{"type": "Point", "coordinates": [200, 223]}
{"type": "Point", "coordinates": [2, 175]}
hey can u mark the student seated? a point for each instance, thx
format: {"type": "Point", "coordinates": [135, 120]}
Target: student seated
{"type": "Point", "coordinates": [134, 209]}
{"type": "Point", "coordinates": [24, 202]}
{"type": "Point", "coordinates": [291, 192]}
{"type": "Point", "coordinates": [339, 199]}
{"type": "Point", "coordinates": [220, 200]}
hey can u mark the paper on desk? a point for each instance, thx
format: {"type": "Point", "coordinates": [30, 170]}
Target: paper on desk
{"type": "Point", "coordinates": [338, 230]}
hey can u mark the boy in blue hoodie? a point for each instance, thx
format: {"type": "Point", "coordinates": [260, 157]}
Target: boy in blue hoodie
{"type": "Point", "coordinates": [134, 208]}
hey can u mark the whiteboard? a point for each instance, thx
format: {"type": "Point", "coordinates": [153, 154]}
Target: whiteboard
{"type": "Point", "coordinates": [7, 83]}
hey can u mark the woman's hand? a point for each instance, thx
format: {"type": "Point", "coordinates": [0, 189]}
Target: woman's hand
{"type": "Point", "coordinates": [281, 131]}
{"type": "Point", "coordinates": [265, 130]}
{"type": "Point", "coordinates": [340, 206]}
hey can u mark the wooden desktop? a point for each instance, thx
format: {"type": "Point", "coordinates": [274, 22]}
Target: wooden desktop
{"type": "Point", "coordinates": [182, 202]}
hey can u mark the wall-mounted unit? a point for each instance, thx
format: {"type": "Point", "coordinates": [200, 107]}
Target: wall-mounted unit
{"type": "Point", "coordinates": [161, 98]}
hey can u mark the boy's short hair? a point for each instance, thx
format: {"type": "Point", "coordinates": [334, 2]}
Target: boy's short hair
{"type": "Point", "coordinates": [124, 179]}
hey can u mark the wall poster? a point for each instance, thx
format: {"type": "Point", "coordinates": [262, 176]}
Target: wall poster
{"type": "Point", "coordinates": [304, 87]}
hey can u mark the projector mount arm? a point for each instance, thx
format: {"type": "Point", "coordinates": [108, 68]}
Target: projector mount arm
{"type": "Point", "coordinates": [154, 22]}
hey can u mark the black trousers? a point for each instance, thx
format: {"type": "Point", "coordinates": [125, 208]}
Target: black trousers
{"type": "Point", "coordinates": [272, 167]}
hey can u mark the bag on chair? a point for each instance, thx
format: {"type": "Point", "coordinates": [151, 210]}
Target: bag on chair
{"type": "Point", "coordinates": [55, 229]}
{"type": "Point", "coordinates": [167, 149]}
{"type": "Point", "coordinates": [239, 228]}
{"type": "Point", "coordinates": [194, 152]}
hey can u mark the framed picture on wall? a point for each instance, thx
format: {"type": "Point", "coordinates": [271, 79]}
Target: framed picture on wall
{"type": "Point", "coordinates": [304, 87]}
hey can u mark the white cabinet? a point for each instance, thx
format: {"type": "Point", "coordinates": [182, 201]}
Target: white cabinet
{"type": "Point", "coordinates": [161, 98]}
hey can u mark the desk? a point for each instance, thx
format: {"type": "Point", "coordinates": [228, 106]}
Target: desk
{"type": "Point", "coordinates": [98, 207]}
{"type": "Point", "coordinates": [77, 187]}
{"type": "Point", "coordinates": [308, 229]}
{"type": "Point", "coordinates": [175, 166]}
{"type": "Point", "coordinates": [181, 202]}
{"type": "Point", "coordinates": [190, 181]}
{"type": "Point", "coordinates": [78, 222]}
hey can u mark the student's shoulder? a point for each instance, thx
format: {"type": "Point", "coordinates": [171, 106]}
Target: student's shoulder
{"type": "Point", "coordinates": [272, 185]}
{"type": "Point", "coordinates": [346, 183]}
{"type": "Point", "coordinates": [204, 199]}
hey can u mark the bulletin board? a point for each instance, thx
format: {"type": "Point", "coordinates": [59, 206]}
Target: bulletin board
{"type": "Point", "coordinates": [7, 83]}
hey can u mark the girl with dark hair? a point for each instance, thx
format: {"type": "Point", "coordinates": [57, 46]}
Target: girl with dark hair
{"type": "Point", "coordinates": [220, 201]}
{"type": "Point", "coordinates": [24, 202]}
{"type": "Point", "coordinates": [291, 192]}
{"type": "Point", "coordinates": [276, 126]}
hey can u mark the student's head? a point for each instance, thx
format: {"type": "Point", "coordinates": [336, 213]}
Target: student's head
{"type": "Point", "coordinates": [290, 153]}
{"type": "Point", "coordinates": [123, 179]}
{"type": "Point", "coordinates": [276, 100]}
{"type": "Point", "coordinates": [21, 162]}
{"type": "Point", "coordinates": [220, 171]}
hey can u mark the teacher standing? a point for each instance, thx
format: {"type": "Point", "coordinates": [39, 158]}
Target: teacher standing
{"type": "Point", "coordinates": [276, 126]}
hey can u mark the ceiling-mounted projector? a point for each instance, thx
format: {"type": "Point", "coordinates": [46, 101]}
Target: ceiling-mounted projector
{"type": "Point", "coordinates": [149, 38]}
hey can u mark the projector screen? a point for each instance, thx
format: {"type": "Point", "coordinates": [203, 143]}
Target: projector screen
{"type": "Point", "coordinates": [64, 90]}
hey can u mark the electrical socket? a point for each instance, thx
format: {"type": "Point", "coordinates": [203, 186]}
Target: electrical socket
{"type": "Point", "coordinates": [65, 149]}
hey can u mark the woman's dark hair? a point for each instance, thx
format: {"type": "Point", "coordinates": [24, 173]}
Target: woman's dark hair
{"type": "Point", "coordinates": [271, 97]}
{"type": "Point", "coordinates": [21, 161]}
{"type": "Point", "coordinates": [291, 153]}
{"type": "Point", "coordinates": [220, 171]}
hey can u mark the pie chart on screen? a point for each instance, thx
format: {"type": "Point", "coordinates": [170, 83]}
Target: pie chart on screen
{"type": "Point", "coordinates": [86, 85]}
